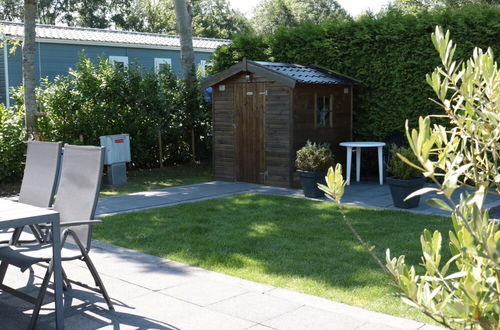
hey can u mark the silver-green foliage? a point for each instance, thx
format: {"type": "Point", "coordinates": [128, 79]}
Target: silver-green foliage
{"type": "Point", "coordinates": [462, 292]}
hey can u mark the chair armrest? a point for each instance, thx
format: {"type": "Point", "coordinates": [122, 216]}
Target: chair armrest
{"type": "Point", "coordinates": [79, 223]}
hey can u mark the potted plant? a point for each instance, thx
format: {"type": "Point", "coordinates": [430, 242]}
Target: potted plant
{"type": "Point", "coordinates": [312, 162]}
{"type": "Point", "coordinates": [405, 179]}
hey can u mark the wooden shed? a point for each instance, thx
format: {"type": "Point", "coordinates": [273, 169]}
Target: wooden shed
{"type": "Point", "coordinates": [263, 112]}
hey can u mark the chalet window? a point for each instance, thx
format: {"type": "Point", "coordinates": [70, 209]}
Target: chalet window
{"type": "Point", "coordinates": [323, 105]}
{"type": "Point", "coordinates": [203, 67]}
{"type": "Point", "coordinates": [119, 61]}
{"type": "Point", "coordinates": [161, 63]}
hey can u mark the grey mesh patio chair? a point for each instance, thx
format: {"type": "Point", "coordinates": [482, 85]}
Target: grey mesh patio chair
{"type": "Point", "coordinates": [76, 203]}
{"type": "Point", "coordinates": [39, 181]}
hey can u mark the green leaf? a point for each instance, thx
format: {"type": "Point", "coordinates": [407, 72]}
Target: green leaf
{"type": "Point", "coordinates": [439, 203]}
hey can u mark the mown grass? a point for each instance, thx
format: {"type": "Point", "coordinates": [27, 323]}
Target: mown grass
{"type": "Point", "coordinates": [144, 180]}
{"type": "Point", "coordinates": [290, 243]}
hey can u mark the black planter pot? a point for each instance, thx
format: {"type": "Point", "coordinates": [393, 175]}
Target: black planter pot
{"type": "Point", "coordinates": [310, 182]}
{"type": "Point", "coordinates": [402, 188]}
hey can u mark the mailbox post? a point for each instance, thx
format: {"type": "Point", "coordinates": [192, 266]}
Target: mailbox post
{"type": "Point", "coordinates": [116, 156]}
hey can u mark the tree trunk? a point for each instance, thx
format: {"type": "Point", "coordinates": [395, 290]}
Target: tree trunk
{"type": "Point", "coordinates": [184, 17]}
{"type": "Point", "coordinates": [29, 76]}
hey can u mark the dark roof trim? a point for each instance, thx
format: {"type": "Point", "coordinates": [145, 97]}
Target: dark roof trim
{"type": "Point", "coordinates": [355, 81]}
{"type": "Point", "coordinates": [248, 66]}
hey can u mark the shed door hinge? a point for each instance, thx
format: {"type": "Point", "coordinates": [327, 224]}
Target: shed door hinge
{"type": "Point", "coordinates": [263, 93]}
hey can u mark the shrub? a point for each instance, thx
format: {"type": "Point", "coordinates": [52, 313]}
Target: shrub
{"type": "Point", "coordinates": [99, 99]}
{"type": "Point", "coordinates": [12, 146]}
{"type": "Point", "coordinates": [314, 157]}
{"type": "Point", "coordinates": [399, 168]}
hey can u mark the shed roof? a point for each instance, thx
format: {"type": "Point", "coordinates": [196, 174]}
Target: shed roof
{"type": "Point", "coordinates": [106, 37]}
{"type": "Point", "coordinates": [286, 73]}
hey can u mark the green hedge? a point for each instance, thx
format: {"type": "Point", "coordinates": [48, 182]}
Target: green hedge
{"type": "Point", "coordinates": [99, 99]}
{"type": "Point", "coordinates": [390, 54]}
{"type": "Point", "coordinates": [12, 146]}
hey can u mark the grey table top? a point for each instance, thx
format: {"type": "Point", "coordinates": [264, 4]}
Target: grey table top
{"type": "Point", "coordinates": [14, 214]}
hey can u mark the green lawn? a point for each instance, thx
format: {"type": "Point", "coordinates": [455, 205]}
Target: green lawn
{"type": "Point", "coordinates": [291, 243]}
{"type": "Point", "coordinates": [144, 180]}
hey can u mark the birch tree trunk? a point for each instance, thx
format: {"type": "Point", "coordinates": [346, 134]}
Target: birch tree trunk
{"type": "Point", "coordinates": [29, 75]}
{"type": "Point", "coordinates": [184, 15]}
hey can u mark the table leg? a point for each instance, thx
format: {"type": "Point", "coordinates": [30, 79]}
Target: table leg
{"type": "Point", "coordinates": [348, 170]}
{"type": "Point", "coordinates": [358, 163]}
{"type": "Point", "coordinates": [58, 287]}
{"type": "Point", "coordinates": [380, 166]}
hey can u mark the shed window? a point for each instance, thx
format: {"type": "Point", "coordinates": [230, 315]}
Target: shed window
{"type": "Point", "coordinates": [323, 110]}
{"type": "Point", "coordinates": [161, 63]}
{"type": "Point", "coordinates": [119, 61]}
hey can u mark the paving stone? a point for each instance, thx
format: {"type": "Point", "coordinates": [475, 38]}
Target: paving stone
{"type": "Point", "coordinates": [173, 312]}
{"type": "Point", "coordinates": [255, 307]}
{"type": "Point", "coordinates": [308, 318]}
{"type": "Point", "coordinates": [159, 277]}
{"type": "Point", "coordinates": [344, 309]}
{"type": "Point", "coordinates": [203, 292]}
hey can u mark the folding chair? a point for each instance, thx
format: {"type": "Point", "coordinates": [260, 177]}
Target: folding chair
{"type": "Point", "coordinates": [76, 203]}
{"type": "Point", "coordinates": [39, 182]}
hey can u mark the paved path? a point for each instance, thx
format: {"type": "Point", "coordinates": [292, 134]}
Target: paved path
{"type": "Point", "coordinates": [154, 293]}
{"type": "Point", "coordinates": [364, 194]}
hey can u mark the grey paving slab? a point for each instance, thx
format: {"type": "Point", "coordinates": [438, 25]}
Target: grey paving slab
{"type": "Point", "coordinates": [255, 307]}
{"type": "Point", "coordinates": [346, 310]}
{"type": "Point", "coordinates": [194, 298]}
{"type": "Point", "coordinates": [364, 194]}
{"type": "Point", "coordinates": [203, 292]}
{"type": "Point", "coordinates": [169, 196]}
{"type": "Point", "coordinates": [309, 318]}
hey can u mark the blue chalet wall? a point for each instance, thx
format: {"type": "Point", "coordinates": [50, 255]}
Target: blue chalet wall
{"type": "Point", "coordinates": [53, 59]}
{"type": "Point", "coordinates": [58, 48]}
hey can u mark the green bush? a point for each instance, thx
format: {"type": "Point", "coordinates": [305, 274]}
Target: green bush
{"type": "Point", "coordinates": [390, 54]}
{"type": "Point", "coordinates": [99, 99]}
{"type": "Point", "coordinates": [12, 146]}
{"type": "Point", "coordinates": [398, 168]}
{"type": "Point", "coordinates": [314, 157]}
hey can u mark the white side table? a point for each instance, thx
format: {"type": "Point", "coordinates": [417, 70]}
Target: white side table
{"type": "Point", "coordinates": [358, 146]}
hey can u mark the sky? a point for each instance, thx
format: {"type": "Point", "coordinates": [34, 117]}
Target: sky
{"type": "Point", "coordinates": [354, 7]}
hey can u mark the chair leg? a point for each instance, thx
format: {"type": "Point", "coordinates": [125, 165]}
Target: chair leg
{"type": "Point", "coordinates": [97, 279]}
{"type": "Point", "coordinates": [66, 282]}
{"type": "Point", "coordinates": [41, 295]}
{"type": "Point", "coordinates": [3, 271]}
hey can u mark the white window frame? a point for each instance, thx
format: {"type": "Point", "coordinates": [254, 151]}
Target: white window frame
{"type": "Point", "coordinates": [162, 60]}
{"type": "Point", "coordinates": [203, 66]}
{"type": "Point", "coordinates": [120, 59]}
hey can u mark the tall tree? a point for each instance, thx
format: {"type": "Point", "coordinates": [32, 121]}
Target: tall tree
{"type": "Point", "coordinates": [271, 14]}
{"type": "Point", "coordinates": [184, 15]}
{"type": "Point", "coordinates": [415, 6]}
{"type": "Point", "coordinates": [29, 78]}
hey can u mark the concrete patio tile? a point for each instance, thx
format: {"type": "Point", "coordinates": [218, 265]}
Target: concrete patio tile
{"type": "Point", "coordinates": [160, 277]}
{"type": "Point", "coordinates": [203, 292]}
{"type": "Point", "coordinates": [236, 281]}
{"type": "Point", "coordinates": [306, 318]}
{"type": "Point", "coordinates": [347, 310]}
{"type": "Point", "coordinates": [255, 307]}
{"type": "Point", "coordinates": [376, 326]}
{"type": "Point", "coordinates": [260, 327]}
{"type": "Point", "coordinates": [180, 314]}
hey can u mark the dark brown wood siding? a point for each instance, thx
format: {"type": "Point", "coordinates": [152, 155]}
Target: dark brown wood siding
{"type": "Point", "coordinates": [304, 118]}
{"type": "Point", "coordinates": [223, 133]}
{"type": "Point", "coordinates": [278, 137]}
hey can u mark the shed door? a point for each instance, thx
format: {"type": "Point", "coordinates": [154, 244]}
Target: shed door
{"type": "Point", "coordinates": [250, 103]}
